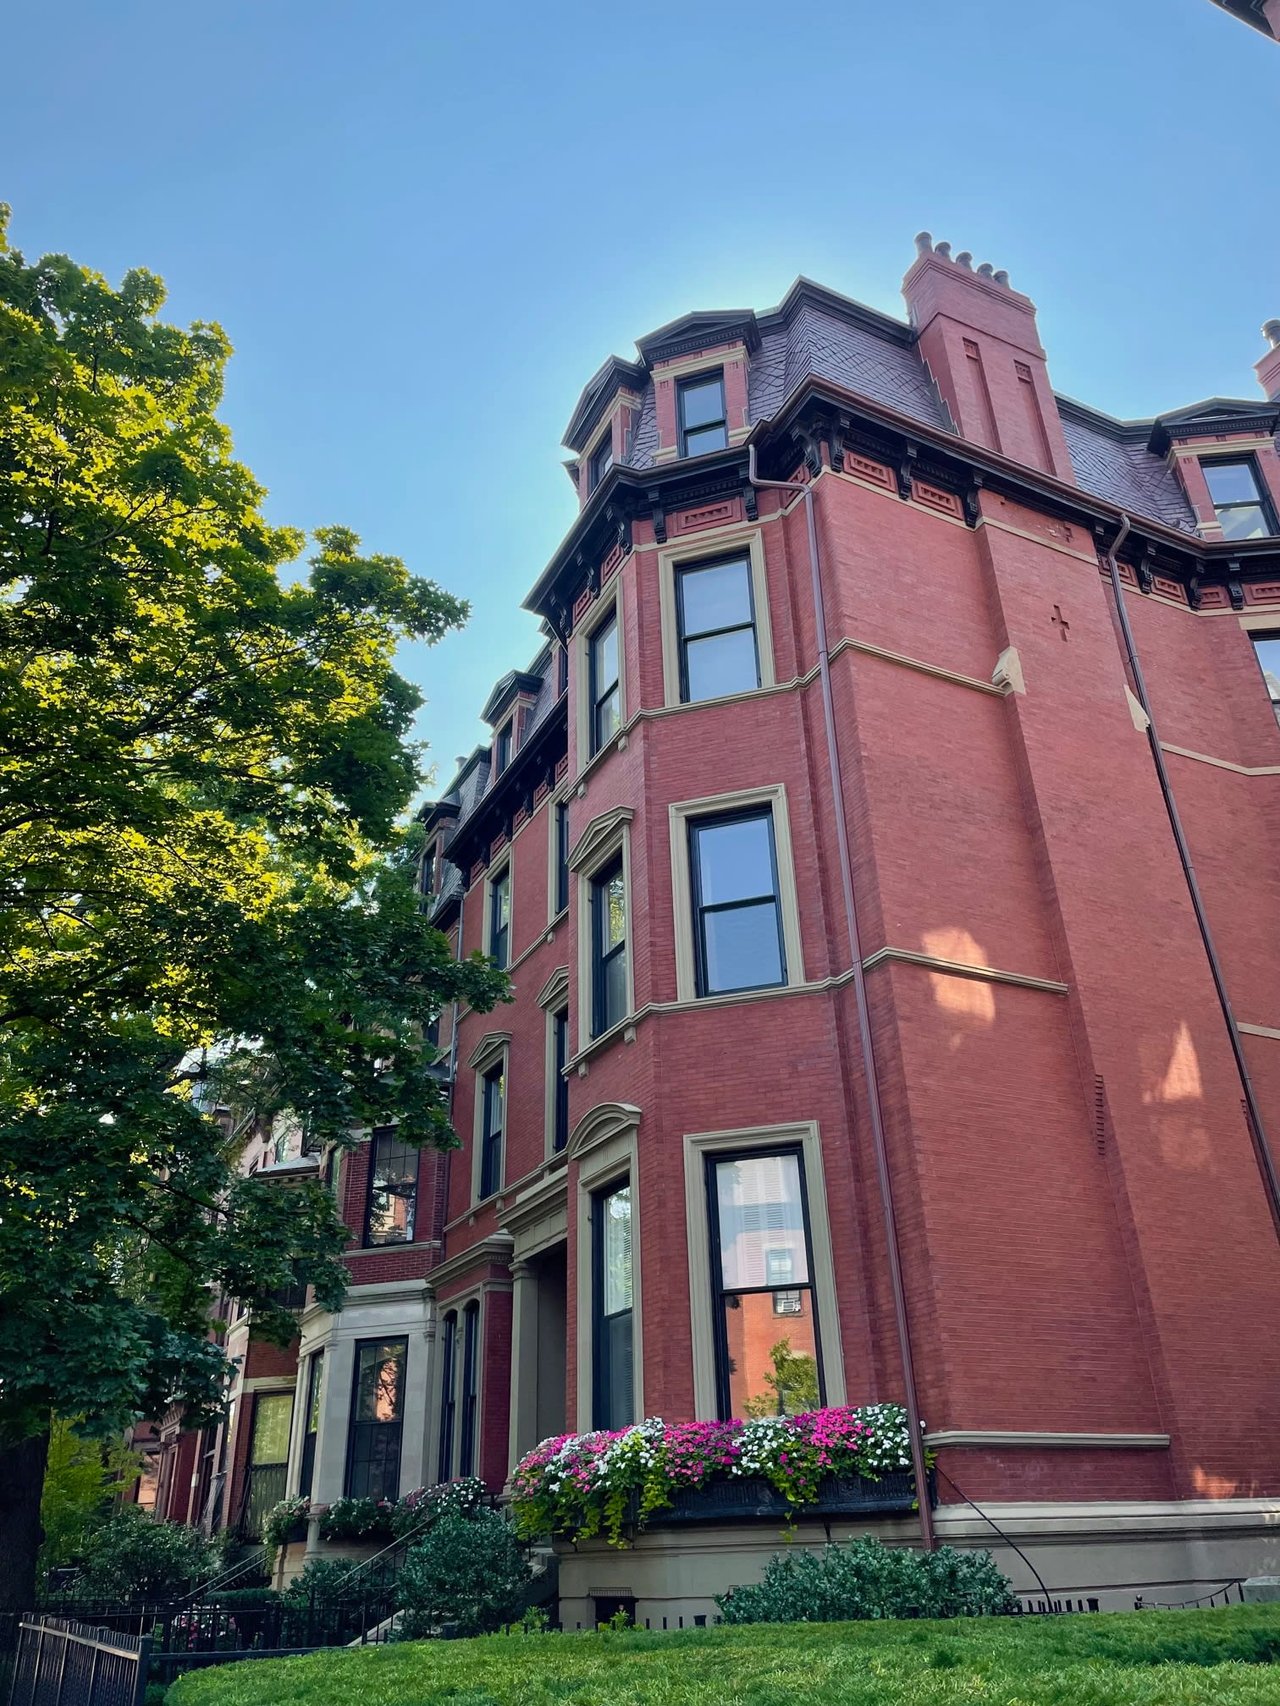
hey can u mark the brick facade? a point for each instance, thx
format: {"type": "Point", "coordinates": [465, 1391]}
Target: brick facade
{"type": "Point", "coordinates": [1087, 1244]}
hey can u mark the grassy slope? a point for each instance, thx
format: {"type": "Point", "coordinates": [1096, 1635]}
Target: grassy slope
{"type": "Point", "coordinates": [1227, 1658]}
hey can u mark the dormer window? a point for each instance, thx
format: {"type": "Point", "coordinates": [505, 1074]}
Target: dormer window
{"type": "Point", "coordinates": [502, 749]}
{"type": "Point", "coordinates": [601, 461]}
{"type": "Point", "coordinates": [1237, 499]}
{"type": "Point", "coordinates": [704, 421]}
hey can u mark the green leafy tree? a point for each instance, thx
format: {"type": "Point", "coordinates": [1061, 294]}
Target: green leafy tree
{"type": "Point", "coordinates": [206, 892]}
{"type": "Point", "coordinates": [82, 1477]}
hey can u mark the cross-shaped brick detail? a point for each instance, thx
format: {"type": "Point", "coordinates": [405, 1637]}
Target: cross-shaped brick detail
{"type": "Point", "coordinates": [1060, 620]}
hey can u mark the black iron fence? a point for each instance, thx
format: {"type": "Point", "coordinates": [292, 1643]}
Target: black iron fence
{"type": "Point", "coordinates": [61, 1663]}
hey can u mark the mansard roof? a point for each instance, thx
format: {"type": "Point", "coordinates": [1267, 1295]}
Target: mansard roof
{"type": "Point", "coordinates": [612, 376]}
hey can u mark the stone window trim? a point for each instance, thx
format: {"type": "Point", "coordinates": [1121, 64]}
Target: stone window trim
{"type": "Point", "coordinates": [803, 1135]}
{"type": "Point", "coordinates": [457, 1307]}
{"type": "Point", "coordinates": [552, 805]}
{"type": "Point", "coordinates": [604, 838]}
{"type": "Point", "coordinates": [503, 865]}
{"type": "Point", "coordinates": [493, 1050]}
{"type": "Point", "coordinates": [680, 813]}
{"type": "Point", "coordinates": [611, 602]}
{"type": "Point", "coordinates": [726, 542]}
{"type": "Point", "coordinates": [603, 1151]}
{"type": "Point", "coordinates": [554, 1000]}
{"type": "Point", "coordinates": [386, 1309]}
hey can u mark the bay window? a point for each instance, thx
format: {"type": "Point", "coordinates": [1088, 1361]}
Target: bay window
{"type": "Point", "coordinates": [716, 625]}
{"type": "Point", "coordinates": [373, 1439]}
{"type": "Point", "coordinates": [764, 1315]}
{"type": "Point", "coordinates": [736, 898]}
{"type": "Point", "coordinates": [613, 1396]}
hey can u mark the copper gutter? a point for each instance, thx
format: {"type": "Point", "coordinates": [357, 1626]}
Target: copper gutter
{"type": "Point", "coordinates": [878, 1142]}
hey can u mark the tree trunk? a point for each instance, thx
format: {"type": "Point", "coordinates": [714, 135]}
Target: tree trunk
{"type": "Point", "coordinates": [21, 1483]}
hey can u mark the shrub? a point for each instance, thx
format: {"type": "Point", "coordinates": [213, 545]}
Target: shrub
{"type": "Point", "coordinates": [467, 1572]}
{"type": "Point", "coordinates": [131, 1556]}
{"type": "Point", "coordinates": [866, 1578]}
{"type": "Point", "coordinates": [324, 1581]}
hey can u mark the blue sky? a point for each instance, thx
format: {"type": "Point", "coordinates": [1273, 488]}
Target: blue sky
{"type": "Point", "coordinates": [425, 226]}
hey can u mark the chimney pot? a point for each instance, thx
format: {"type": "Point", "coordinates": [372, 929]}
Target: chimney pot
{"type": "Point", "coordinates": [1001, 277]}
{"type": "Point", "coordinates": [986, 270]}
{"type": "Point", "coordinates": [924, 243]}
{"type": "Point", "coordinates": [965, 259]}
{"type": "Point", "coordinates": [1271, 332]}
{"type": "Point", "coordinates": [943, 250]}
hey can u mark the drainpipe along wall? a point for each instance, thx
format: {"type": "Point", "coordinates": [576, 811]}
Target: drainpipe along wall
{"type": "Point", "coordinates": [878, 1142]}
{"type": "Point", "coordinates": [1257, 1131]}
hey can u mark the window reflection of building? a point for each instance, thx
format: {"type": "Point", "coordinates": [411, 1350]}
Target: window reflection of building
{"type": "Point", "coordinates": [762, 1269]}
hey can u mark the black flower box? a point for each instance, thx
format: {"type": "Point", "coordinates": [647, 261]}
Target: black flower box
{"type": "Point", "coordinates": [743, 1499]}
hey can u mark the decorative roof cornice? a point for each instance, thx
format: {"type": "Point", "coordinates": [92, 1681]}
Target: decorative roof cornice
{"type": "Point", "coordinates": [1214, 415]}
{"type": "Point", "coordinates": [703, 330]}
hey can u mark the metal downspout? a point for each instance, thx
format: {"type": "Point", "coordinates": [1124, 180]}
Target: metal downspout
{"type": "Point", "coordinates": [878, 1142]}
{"type": "Point", "coordinates": [1266, 1162]}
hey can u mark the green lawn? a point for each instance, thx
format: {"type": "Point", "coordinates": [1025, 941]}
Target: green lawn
{"type": "Point", "coordinates": [1173, 1658]}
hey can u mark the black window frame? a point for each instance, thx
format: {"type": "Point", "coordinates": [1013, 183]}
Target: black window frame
{"type": "Point", "coordinates": [562, 671]}
{"type": "Point", "coordinates": [599, 694]}
{"type": "Point", "coordinates": [467, 1440]}
{"type": "Point", "coordinates": [690, 382]}
{"type": "Point", "coordinates": [1254, 640]}
{"type": "Point", "coordinates": [448, 1394]}
{"type": "Point", "coordinates": [560, 1088]}
{"type": "Point", "coordinates": [601, 1343]}
{"type": "Point", "coordinates": [601, 461]}
{"type": "Point", "coordinates": [719, 1291]}
{"type": "Point", "coordinates": [717, 820]}
{"type": "Point", "coordinates": [601, 959]}
{"type": "Point", "coordinates": [560, 830]}
{"type": "Point", "coordinates": [310, 1413]}
{"type": "Point", "coordinates": [1261, 500]}
{"type": "Point", "coordinates": [500, 933]}
{"type": "Point", "coordinates": [358, 1430]}
{"type": "Point", "coordinates": [265, 1481]}
{"type": "Point", "coordinates": [683, 636]}
{"type": "Point", "coordinates": [388, 1137]}
{"type": "Point", "coordinates": [492, 1137]}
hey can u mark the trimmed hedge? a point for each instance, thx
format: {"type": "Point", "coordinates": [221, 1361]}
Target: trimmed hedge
{"type": "Point", "coordinates": [1175, 1658]}
{"type": "Point", "coordinates": [866, 1578]}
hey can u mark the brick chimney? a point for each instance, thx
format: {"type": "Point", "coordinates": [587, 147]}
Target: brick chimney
{"type": "Point", "coordinates": [1268, 369]}
{"type": "Point", "coordinates": [979, 339]}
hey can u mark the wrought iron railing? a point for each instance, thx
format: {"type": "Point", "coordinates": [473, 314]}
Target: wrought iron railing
{"type": "Point", "coordinates": [62, 1663]}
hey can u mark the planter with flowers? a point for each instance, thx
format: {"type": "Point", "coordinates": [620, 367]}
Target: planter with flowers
{"type": "Point", "coordinates": [836, 1462]}
{"type": "Point", "coordinates": [286, 1523]}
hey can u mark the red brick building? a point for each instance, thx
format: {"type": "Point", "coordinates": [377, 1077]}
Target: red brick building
{"type": "Point", "coordinates": [883, 849]}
